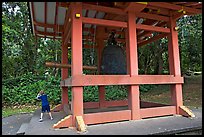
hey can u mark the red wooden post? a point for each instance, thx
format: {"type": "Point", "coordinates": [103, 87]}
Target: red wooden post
{"type": "Point", "coordinates": [133, 93]}
{"type": "Point", "coordinates": [174, 64]}
{"type": "Point", "coordinates": [100, 43]}
{"type": "Point", "coordinates": [64, 74]}
{"type": "Point", "coordinates": [76, 46]}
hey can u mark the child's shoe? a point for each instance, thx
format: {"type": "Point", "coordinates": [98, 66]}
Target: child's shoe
{"type": "Point", "coordinates": [51, 118]}
{"type": "Point", "coordinates": [40, 120]}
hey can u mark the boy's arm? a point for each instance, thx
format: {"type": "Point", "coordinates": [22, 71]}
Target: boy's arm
{"type": "Point", "coordinates": [38, 96]}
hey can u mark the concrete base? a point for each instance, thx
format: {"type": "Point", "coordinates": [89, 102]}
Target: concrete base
{"type": "Point", "coordinates": [159, 125]}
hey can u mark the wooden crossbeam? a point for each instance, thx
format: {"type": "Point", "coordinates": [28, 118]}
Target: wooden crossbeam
{"type": "Point", "coordinates": [103, 117]}
{"type": "Point", "coordinates": [103, 22]}
{"type": "Point", "coordinates": [152, 16]}
{"type": "Point", "coordinates": [152, 28]}
{"type": "Point", "coordinates": [92, 80]}
{"type": "Point", "coordinates": [149, 32]}
{"type": "Point", "coordinates": [58, 65]}
{"type": "Point", "coordinates": [135, 7]}
{"type": "Point", "coordinates": [152, 39]}
{"type": "Point", "coordinates": [157, 111]}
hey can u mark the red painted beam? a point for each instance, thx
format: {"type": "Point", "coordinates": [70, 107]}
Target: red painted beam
{"type": "Point", "coordinates": [149, 32]}
{"type": "Point", "coordinates": [135, 7]}
{"type": "Point", "coordinates": [153, 28]}
{"type": "Point", "coordinates": [146, 104]}
{"type": "Point", "coordinates": [91, 105]}
{"type": "Point", "coordinates": [64, 4]}
{"type": "Point", "coordinates": [157, 111]}
{"type": "Point", "coordinates": [152, 16]}
{"type": "Point", "coordinates": [103, 117]}
{"type": "Point", "coordinates": [103, 22]}
{"type": "Point", "coordinates": [106, 104]}
{"type": "Point", "coordinates": [153, 39]}
{"type": "Point", "coordinates": [91, 80]}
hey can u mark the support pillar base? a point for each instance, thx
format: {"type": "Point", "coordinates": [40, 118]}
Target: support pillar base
{"type": "Point", "coordinates": [184, 111]}
{"type": "Point", "coordinates": [80, 124]}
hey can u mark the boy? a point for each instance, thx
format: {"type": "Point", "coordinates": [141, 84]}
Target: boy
{"type": "Point", "coordinates": [45, 104]}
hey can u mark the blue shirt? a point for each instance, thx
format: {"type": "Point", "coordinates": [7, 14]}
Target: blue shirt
{"type": "Point", "coordinates": [43, 99]}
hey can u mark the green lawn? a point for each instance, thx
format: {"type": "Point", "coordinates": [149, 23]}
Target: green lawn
{"type": "Point", "coordinates": [8, 111]}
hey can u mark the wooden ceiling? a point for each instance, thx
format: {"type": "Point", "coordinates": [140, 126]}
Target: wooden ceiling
{"type": "Point", "coordinates": [48, 17]}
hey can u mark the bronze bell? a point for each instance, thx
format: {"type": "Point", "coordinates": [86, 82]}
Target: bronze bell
{"type": "Point", "coordinates": [113, 58]}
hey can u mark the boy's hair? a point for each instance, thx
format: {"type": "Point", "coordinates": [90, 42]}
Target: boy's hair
{"type": "Point", "coordinates": [41, 92]}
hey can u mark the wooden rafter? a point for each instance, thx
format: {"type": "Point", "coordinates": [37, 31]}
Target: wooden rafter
{"type": "Point", "coordinates": [45, 16]}
{"type": "Point", "coordinates": [48, 25]}
{"type": "Point", "coordinates": [55, 23]}
{"type": "Point", "coordinates": [149, 32]}
{"type": "Point", "coordinates": [197, 6]}
{"type": "Point", "coordinates": [155, 38]}
{"type": "Point", "coordinates": [146, 22]}
{"type": "Point", "coordinates": [67, 25]}
{"type": "Point", "coordinates": [103, 9]}
{"type": "Point", "coordinates": [179, 2]}
{"type": "Point", "coordinates": [64, 4]}
{"type": "Point", "coordinates": [32, 4]}
{"type": "Point", "coordinates": [158, 11]}
{"type": "Point", "coordinates": [48, 33]}
{"type": "Point", "coordinates": [190, 4]}
{"type": "Point", "coordinates": [50, 37]}
{"type": "Point", "coordinates": [174, 7]}
{"type": "Point", "coordinates": [86, 14]}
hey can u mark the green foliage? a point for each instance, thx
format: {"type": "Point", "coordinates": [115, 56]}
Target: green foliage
{"type": "Point", "coordinates": [90, 94]}
{"type": "Point", "coordinates": [190, 42]}
{"type": "Point", "coordinates": [24, 89]}
{"type": "Point", "coordinates": [145, 88]}
{"type": "Point", "coordinates": [116, 92]}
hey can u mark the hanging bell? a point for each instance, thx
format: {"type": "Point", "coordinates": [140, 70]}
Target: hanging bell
{"type": "Point", "coordinates": [113, 58]}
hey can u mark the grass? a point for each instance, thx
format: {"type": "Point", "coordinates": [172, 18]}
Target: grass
{"type": "Point", "coordinates": [12, 110]}
{"type": "Point", "coordinates": [192, 96]}
{"type": "Point", "coordinates": [192, 93]}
